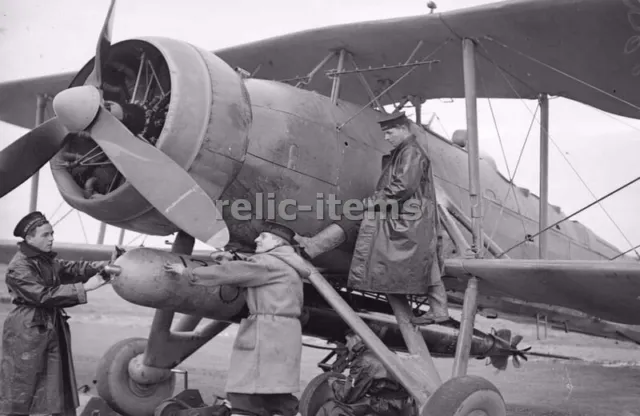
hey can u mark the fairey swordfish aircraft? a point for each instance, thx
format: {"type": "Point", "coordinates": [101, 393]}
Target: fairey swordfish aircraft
{"type": "Point", "coordinates": [159, 136]}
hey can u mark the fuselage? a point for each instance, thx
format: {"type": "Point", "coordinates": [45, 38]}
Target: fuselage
{"type": "Point", "coordinates": [296, 152]}
{"type": "Point", "coordinates": [266, 149]}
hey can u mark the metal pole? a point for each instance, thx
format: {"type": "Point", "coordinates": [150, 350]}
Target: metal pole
{"type": "Point", "coordinates": [390, 360]}
{"type": "Point", "coordinates": [465, 338]}
{"type": "Point", "coordinates": [41, 106]}
{"type": "Point", "coordinates": [414, 340]}
{"type": "Point", "coordinates": [121, 237]}
{"type": "Point", "coordinates": [544, 173]}
{"type": "Point", "coordinates": [469, 308]}
{"type": "Point", "coordinates": [469, 67]}
{"type": "Point", "coordinates": [101, 232]}
{"type": "Point", "coordinates": [335, 90]}
{"type": "Point", "coordinates": [418, 106]}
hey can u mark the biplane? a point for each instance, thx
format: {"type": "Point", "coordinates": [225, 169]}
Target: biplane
{"type": "Point", "coordinates": [153, 134]}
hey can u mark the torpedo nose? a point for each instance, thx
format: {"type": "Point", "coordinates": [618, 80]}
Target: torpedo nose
{"type": "Point", "coordinates": [77, 107]}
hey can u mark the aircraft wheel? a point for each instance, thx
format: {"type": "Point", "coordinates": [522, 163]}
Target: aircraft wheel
{"type": "Point", "coordinates": [317, 393]}
{"type": "Point", "coordinates": [169, 408]}
{"type": "Point", "coordinates": [121, 393]}
{"type": "Point", "coordinates": [465, 396]}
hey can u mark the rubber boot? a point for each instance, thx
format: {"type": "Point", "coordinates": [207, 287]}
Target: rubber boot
{"type": "Point", "coordinates": [437, 299]}
{"type": "Point", "coordinates": [326, 240]}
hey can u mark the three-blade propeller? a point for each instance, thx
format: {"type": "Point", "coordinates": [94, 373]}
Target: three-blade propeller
{"type": "Point", "coordinates": [165, 184]}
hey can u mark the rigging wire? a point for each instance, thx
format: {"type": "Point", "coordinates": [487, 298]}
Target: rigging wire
{"type": "Point", "coordinates": [549, 135]}
{"type": "Point", "coordinates": [56, 210]}
{"type": "Point", "coordinates": [635, 107]}
{"type": "Point", "coordinates": [86, 239]}
{"type": "Point", "coordinates": [506, 163]}
{"type": "Point", "coordinates": [134, 239]}
{"type": "Point", "coordinates": [63, 217]}
{"type": "Point", "coordinates": [572, 215]}
{"type": "Point", "coordinates": [515, 171]}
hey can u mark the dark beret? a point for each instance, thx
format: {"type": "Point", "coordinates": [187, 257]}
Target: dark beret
{"type": "Point", "coordinates": [28, 222]}
{"type": "Point", "coordinates": [280, 230]}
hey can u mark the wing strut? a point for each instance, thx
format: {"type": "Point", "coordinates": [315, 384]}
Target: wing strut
{"type": "Point", "coordinates": [35, 179]}
{"type": "Point", "coordinates": [544, 174]}
{"type": "Point", "coordinates": [469, 308]}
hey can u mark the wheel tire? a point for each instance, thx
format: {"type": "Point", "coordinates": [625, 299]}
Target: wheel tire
{"type": "Point", "coordinates": [121, 393]}
{"type": "Point", "coordinates": [462, 396]}
{"type": "Point", "coordinates": [317, 393]}
{"type": "Point", "coordinates": [168, 408]}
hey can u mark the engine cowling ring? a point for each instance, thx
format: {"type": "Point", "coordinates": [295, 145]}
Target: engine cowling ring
{"type": "Point", "coordinates": [205, 130]}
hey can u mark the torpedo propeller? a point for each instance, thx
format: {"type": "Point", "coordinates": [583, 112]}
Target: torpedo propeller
{"type": "Point", "coordinates": [83, 110]}
{"type": "Point", "coordinates": [500, 361]}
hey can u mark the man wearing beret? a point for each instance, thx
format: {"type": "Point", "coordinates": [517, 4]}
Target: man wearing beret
{"type": "Point", "coordinates": [265, 361]}
{"type": "Point", "coordinates": [37, 375]}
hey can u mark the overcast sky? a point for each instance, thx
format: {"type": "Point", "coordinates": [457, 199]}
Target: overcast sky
{"type": "Point", "coordinates": [39, 37]}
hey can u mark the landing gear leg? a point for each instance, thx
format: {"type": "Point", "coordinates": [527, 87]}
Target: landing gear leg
{"type": "Point", "coordinates": [135, 376]}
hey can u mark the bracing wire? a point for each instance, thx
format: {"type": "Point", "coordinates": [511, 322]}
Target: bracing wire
{"type": "Point", "coordinates": [592, 194]}
{"type": "Point", "coordinates": [549, 135]}
{"type": "Point", "coordinates": [86, 239]}
{"type": "Point", "coordinates": [512, 177]}
{"type": "Point", "coordinates": [551, 67]}
{"type": "Point", "coordinates": [134, 239]}
{"type": "Point", "coordinates": [63, 217]}
{"type": "Point", "coordinates": [443, 128]}
{"type": "Point", "coordinates": [506, 163]}
{"type": "Point", "coordinates": [56, 210]}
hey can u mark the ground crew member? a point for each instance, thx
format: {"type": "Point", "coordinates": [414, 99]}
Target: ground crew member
{"type": "Point", "coordinates": [397, 252]}
{"type": "Point", "coordinates": [368, 389]}
{"type": "Point", "coordinates": [265, 361]}
{"type": "Point", "coordinates": [37, 374]}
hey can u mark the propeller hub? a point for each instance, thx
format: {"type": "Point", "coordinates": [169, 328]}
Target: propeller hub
{"type": "Point", "coordinates": [77, 107]}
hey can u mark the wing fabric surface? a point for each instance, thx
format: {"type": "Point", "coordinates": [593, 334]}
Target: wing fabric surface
{"type": "Point", "coordinates": [590, 40]}
{"type": "Point", "coordinates": [585, 50]}
{"type": "Point", "coordinates": [604, 289]}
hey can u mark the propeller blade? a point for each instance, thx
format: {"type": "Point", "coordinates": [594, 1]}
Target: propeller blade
{"type": "Point", "coordinates": [24, 157]}
{"type": "Point", "coordinates": [166, 185]}
{"type": "Point", "coordinates": [500, 362]}
{"type": "Point", "coordinates": [516, 362]}
{"type": "Point", "coordinates": [102, 49]}
{"type": "Point", "coordinates": [516, 340]}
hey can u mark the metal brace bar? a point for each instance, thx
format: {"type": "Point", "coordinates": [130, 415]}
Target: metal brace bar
{"type": "Point", "coordinates": [335, 88]}
{"type": "Point", "coordinates": [366, 86]}
{"type": "Point", "coordinates": [334, 73]}
{"type": "Point", "coordinates": [469, 308]}
{"type": "Point", "coordinates": [403, 76]}
{"type": "Point", "coordinates": [313, 72]}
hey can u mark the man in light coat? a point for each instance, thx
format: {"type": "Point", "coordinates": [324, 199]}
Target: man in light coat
{"type": "Point", "coordinates": [265, 361]}
{"type": "Point", "coordinates": [37, 374]}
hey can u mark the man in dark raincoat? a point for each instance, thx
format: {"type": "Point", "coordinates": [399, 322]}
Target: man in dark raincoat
{"type": "Point", "coordinates": [37, 374]}
{"type": "Point", "coordinates": [396, 249]}
{"type": "Point", "coordinates": [265, 361]}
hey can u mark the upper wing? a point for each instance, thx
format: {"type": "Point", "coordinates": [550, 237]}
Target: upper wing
{"type": "Point", "coordinates": [586, 50]}
{"type": "Point", "coordinates": [18, 99]}
{"type": "Point", "coordinates": [593, 41]}
{"type": "Point", "coordinates": [604, 289]}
